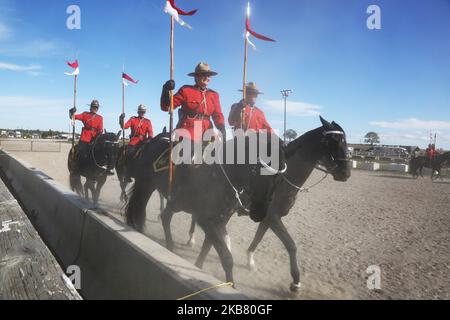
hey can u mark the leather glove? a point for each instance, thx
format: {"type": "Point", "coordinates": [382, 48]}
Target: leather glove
{"type": "Point", "coordinates": [165, 95]}
{"type": "Point", "coordinates": [72, 112]}
{"type": "Point", "coordinates": [122, 120]}
{"type": "Point", "coordinates": [169, 85]}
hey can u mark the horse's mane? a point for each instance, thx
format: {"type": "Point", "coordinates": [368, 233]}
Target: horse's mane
{"type": "Point", "coordinates": [294, 145]}
{"type": "Point", "coordinates": [106, 136]}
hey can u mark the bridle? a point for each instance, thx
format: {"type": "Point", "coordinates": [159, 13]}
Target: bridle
{"type": "Point", "coordinates": [326, 170]}
{"type": "Point", "coordinates": [93, 151]}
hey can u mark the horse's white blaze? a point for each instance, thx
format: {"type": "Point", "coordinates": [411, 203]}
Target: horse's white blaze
{"type": "Point", "coordinates": [228, 242]}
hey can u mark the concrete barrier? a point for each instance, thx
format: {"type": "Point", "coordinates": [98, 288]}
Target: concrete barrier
{"type": "Point", "coordinates": [371, 166]}
{"type": "Point", "coordinates": [115, 261]}
{"type": "Point", "coordinates": [403, 168]}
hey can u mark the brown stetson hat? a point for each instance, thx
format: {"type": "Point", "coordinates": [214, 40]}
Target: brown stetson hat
{"type": "Point", "coordinates": [201, 69]}
{"type": "Point", "coordinates": [251, 88]}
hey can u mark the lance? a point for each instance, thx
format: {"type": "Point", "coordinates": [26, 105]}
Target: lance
{"type": "Point", "coordinates": [123, 106]}
{"type": "Point", "coordinates": [174, 13]}
{"type": "Point", "coordinates": [172, 27]}
{"type": "Point", "coordinates": [248, 32]}
{"type": "Point", "coordinates": [244, 82]}
{"type": "Point", "coordinates": [74, 105]}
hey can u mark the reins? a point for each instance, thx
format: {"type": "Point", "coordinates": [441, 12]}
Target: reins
{"type": "Point", "coordinates": [237, 193]}
{"type": "Point", "coordinates": [327, 172]}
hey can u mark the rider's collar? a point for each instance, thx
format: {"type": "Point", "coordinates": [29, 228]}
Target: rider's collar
{"type": "Point", "coordinates": [201, 88]}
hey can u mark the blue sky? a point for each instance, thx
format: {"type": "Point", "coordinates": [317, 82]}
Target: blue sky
{"type": "Point", "coordinates": [394, 81]}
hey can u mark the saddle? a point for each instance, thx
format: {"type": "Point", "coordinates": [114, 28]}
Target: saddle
{"type": "Point", "coordinates": [162, 162]}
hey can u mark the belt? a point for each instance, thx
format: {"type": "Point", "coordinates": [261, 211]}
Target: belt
{"type": "Point", "coordinates": [90, 129]}
{"type": "Point", "coordinates": [198, 116]}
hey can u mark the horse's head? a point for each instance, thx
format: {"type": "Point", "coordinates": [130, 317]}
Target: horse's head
{"type": "Point", "coordinates": [333, 151]}
{"type": "Point", "coordinates": [162, 139]}
{"type": "Point", "coordinates": [264, 175]}
{"type": "Point", "coordinates": [106, 149]}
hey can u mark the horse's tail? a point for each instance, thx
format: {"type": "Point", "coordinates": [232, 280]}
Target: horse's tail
{"type": "Point", "coordinates": [135, 208]}
{"type": "Point", "coordinates": [75, 184]}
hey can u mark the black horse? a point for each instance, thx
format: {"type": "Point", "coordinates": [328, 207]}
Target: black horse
{"type": "Point", "coordinates": [123, 165]}
{"type": "Point", "coordinates": [102, 158]}
{"type": "Point", "coordinates": [324, 148]}
{"type": "Point", "coordinates": [211, 192]}
{"type": "Point", "coordinates": [417, 164]}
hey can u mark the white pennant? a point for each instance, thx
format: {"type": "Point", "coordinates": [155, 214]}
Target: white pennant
{"type": "Point", "coordinates": [174, 13]}
{"type": "Point", "coordinates": [75, 73]}
{"type": "Point", "coordinates": [124, 83]}
{"type": "Point", "coordinates": [247, 35]}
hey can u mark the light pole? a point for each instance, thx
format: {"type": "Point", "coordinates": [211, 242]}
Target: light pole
{"type": "Point", "coordinates": [285, 94]}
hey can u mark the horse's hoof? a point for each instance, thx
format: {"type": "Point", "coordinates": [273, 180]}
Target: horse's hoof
{"type": "Point", "coordinates": [295, 287]}
{"type": "Point", "coordinates": [199, 265]}
{"type": "Point", "coordinates": [170, 247]}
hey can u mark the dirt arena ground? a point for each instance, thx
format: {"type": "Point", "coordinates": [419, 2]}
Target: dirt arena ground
{"type": "Point", "coordinates": [385, 219]}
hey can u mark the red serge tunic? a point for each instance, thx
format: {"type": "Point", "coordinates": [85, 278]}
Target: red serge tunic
{"type": "Point", "coordinates": [254, 119]}
{"type": "Point", "coordinates": [93, 126]}
{"type": "Point", "coordinates": [141, 129]}
{"type": "Point", "coordinates": [198, 107]}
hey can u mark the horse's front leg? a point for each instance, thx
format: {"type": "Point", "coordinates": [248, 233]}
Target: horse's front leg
{"type": "Point", "coordinates": [282, 233]}
{"type": "Point", "coordinates": [166, 217]}
{"type": "Point", "coordinates": [262, 229]}
{"type": "Point", "coordinates": [191, 241]}
{"type": "Point", "coordinates": [100, 183]}
{"type": "Point", "coordinates": [88, 185]}
{"type": "Point", "coordinates": [216, 234]}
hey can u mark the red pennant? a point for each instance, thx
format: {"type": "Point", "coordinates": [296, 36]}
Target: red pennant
{"type": "Point", "coordinates": [73, 65]}
{"type": "Point", "coordinates": [127, 77]}
{"type": "Point", "coordinates": [256, 35]}
{"type": "Point", "coordinates": [183, 13]}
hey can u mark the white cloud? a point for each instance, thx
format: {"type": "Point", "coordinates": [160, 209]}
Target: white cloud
{"type": "Point", "coordinates": [34, 48]}
{"type": "Point", "coordinates": [295, 108]}
{"type": "Point", "coordinates": [27, 102]}
{"type": "Point", "coordinates": [32, 69]}
{"type": "Point", "coordinates": [412, 123]}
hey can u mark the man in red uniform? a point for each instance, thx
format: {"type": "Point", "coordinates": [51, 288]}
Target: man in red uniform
{"type": "Point", "coordinates": [431, 153]}
{"type": "Point", "coordinates": [198, 104]}
{"type": "Point", "coordinates": [141, 132]}
{"type": "Point", "coordinates": [93, 127]}
{"type": "Point", "coordinates": [254, 118]}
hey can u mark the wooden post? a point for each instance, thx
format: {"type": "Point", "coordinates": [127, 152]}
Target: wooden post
{"type": "Point", "coordinates": [172, 27]}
